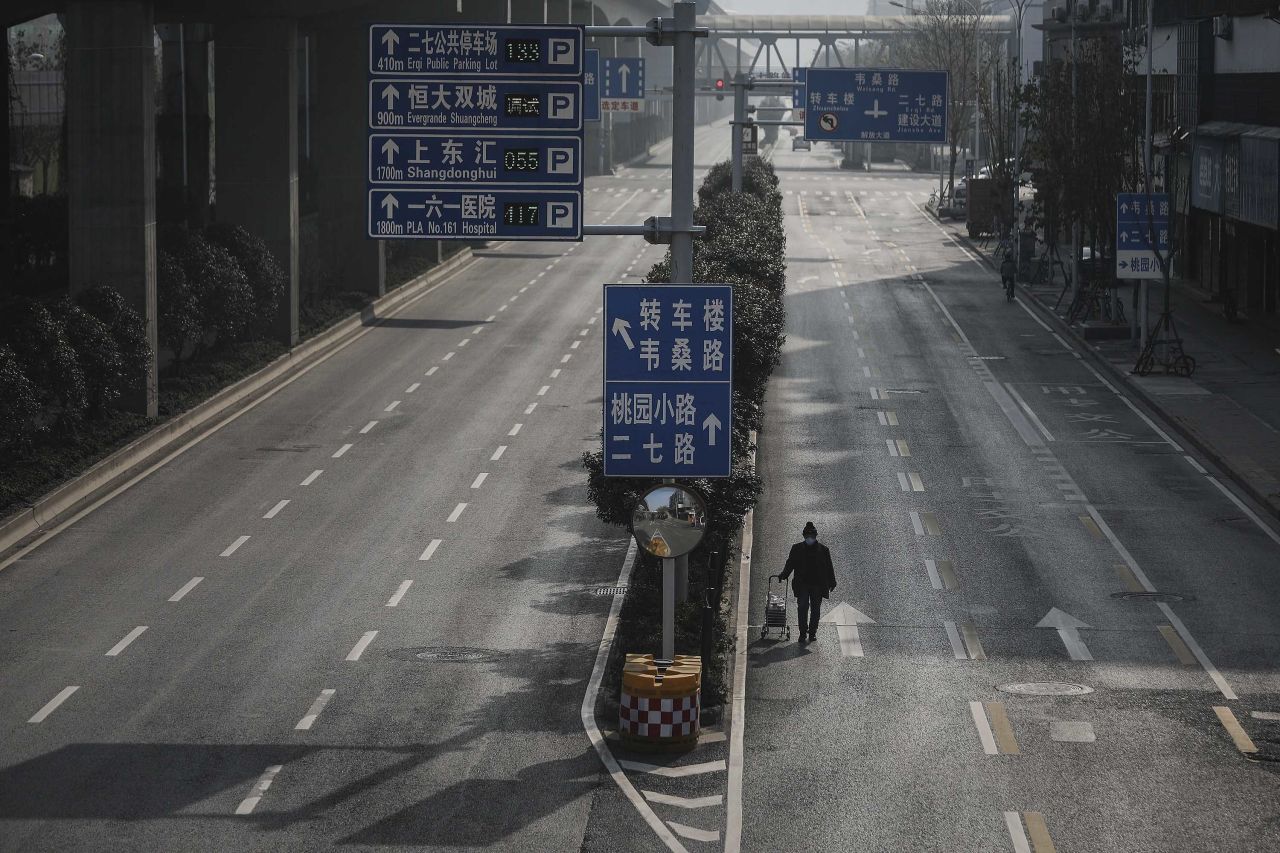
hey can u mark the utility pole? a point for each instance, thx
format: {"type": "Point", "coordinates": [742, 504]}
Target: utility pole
{"type": "Point", "coordinates": [739, 119]}
{"type": "Point", "coordinates": [1075, 141]}
{"type": "Point", "coordinates": [1146, 151]}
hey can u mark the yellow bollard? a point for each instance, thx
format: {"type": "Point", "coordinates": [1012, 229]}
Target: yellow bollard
{"type": "Point", "coordinates": [660, 710]}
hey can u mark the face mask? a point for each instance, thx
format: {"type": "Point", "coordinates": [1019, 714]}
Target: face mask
{"type": "Point", "coordinates": [809, 540]}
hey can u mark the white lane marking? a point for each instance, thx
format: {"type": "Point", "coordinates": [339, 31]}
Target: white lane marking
{"type": "Point", "coordinates": [861, 353]}
{"type": "Point", "coordinates": [983, 725]}
{"type": "Point", "coordinates": [1032, 315]}
{"type": "Point", "coordinates": [584, 333]}
{"type": "Point", "coordinates": [502, 307]}
{"type": "Point", "coordinates": [430, 549]}
{"type": "Point", "coordinates": [275, 510]}
{"type": "Point", "coordinates": [1264, 715]}
{"type": "Point", "coordinates": [186, 588]}
{"type": "Point", "coordinates": [917, 485]}
{"type": "Point", "coordinates": [308, 720]}
{"type": "Point", "coordinates": [935, 580]}
{"type": "Point", "coordinates": [1013, 822]}
{"type": "Point", "coordinates": [1150, 423]}
{"type": "Point", "coordinates": [592, 321]}
{"type": "Point", "coordinates": [693, 833]}
{"type": "Point", "coordinates": [575, 344]}
{"type": "Point", "coordinates": [893, 447]}
{"type": "Point", "coordinates": [477, 330]}
{"type": "Point", "coordinates": [1252, 515]}
{"type": "Point", "coordinates": [124, 643]}
{"type": "Point", "coordinates": [341, 450]}
{"type": "Point", "coordinates": [916, 523]}
{"type": "Point", "coordinates": [457, 513]}
{"type": "Point", "coordinates": [1212, 670]}
{"type": "Point", "coordinates": [866, 371]}
{"type": "Point", "coordinates": [370, 425]}
{"type": "Point", "coordinates": [394, 600]}
{"type": "Point", "coordinates": [957, 644]}
{"type": "Point", "coordinates": [497, 454]}
{"type": "Point", "coordinates": [683, 802]}
{"type": "Point", "coordinates": [1034, 418]}
{"type": "Point", "coordinates": [515, 430]}
{"type": "Point", "coordinates": [564, 359]}
{"type": "Point", "coordinates": [363, 643]}
{"type": "Point", "coordinates": [902, 482]}
{"type": "Point", "coordinates": [528, 410]}
{"type": "Point", "coordinates": [1092, 370]}
{"type": "Point", "coordinates": [448, 356]}
{"type": "Point", "coordinates": [391, 406]}
{"type": "Point", "coordinates": [249, 803]}
{"type": "Point", "coordinates": [311, 478]}
{"type": "Point", "coordinates": [1066, 346]}
{"type": "Point", "coordinates": [231, 549]}
{"type": "Point", "coordinates": [676, 772]}
{"type": "Point", "coordinates": [63, 695]}
{"type": "Point", "coordinates": [1194, 464]}
{"type": "Point", "coordinates": [555, 373]}
{"type": "Point", "coordinates": [1120, 549]}
{"type": "Point", "coordinates": [491, 318]}
{"type": "Point", "coordinates": [479, 480]}
{"type": "Point", "coordinates": [947, 314]}
{"type": "Point", "coordinates": [414, 387]}
{"type": "Point", "coordinates": [542, 392]}
{"type": "Point", "coordinates": [587, 711]}
{"type": "Point", "coordinates": [431, 371]}
{"type": "Point", "coordinates": [462, 343]}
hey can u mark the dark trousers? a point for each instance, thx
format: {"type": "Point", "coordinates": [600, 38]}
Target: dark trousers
{"type": "Point", "coordinates": [809, 607]}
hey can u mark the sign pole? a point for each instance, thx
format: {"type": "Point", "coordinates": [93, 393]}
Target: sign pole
{"type": "Point", "coordinates": [739, 117]}
{"type": "Point", "coordinates": [669, 609]}
{"type": "Point", "coordinates": [682, 71]}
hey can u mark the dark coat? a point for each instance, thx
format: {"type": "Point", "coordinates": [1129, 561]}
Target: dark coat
{"type": "Point", "coordinates": [1008, 268]}
{"type": "Point", "coordinates": [811, 565]}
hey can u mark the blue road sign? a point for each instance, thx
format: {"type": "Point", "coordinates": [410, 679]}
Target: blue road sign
{"type": "Point", "coordinates": [668, 380]}
{"type": "Point", "coordinates": [875, 105]}
{"type": "Point", "coordinates": [1139, 217]}
{"type": "Point", "coordinates": [492, 159]}
{"type": "Point", "coordinates": [800, 76]}
{"type": "Point", "coordinates": [466, 214]}
{"type": "Point", "coordinates": [623, 77]}
{"type": "Point", "coordinates": [430, 103]}
{"type": "Point", "coordinates": [472, 50]}
{"type": "Point", "coordinates": [591, 85]}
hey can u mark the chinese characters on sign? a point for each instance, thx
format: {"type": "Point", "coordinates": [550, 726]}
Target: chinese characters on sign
{"type": "Point", "coordinates": [475, 50]}
{"type": "Point", "coordinates": [668, 380]}
{"type": "Point", "coordinates": [1140, 217]}
{"type": "Point", "coordinates": [622, 84]}
{"type": "Point", "coordinates": [875, 105]}
{"type": "Point", "coordinates": [442, 214]}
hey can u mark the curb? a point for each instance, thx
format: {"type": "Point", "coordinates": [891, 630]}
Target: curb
{"type": "Point", "coordinates": [1185, 432]}
{"type": "Point", "coordinates": [108, 473]}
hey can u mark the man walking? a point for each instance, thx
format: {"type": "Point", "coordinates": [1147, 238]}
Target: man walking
{"type": "Point", "coordinates": [815, 577]}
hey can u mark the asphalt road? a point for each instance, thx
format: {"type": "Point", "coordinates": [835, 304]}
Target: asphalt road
{"type": "Point", "coordinates": [359, 615]}
{"type": "Point", "coordinates": [971, 472]}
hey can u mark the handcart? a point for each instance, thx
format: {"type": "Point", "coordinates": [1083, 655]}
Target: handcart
{"type": "Point", "coordinates": [775, 609]}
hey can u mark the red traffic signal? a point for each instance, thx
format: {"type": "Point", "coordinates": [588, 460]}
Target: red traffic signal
{"type": "Point", "coordinates": [720, 84]}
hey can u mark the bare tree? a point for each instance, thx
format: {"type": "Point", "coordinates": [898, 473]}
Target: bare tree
{"type": "Point", "coordinates": [942, 36]}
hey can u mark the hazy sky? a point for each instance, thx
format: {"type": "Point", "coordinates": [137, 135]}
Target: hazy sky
{"type": "Point", "coordinates": [797, 7]}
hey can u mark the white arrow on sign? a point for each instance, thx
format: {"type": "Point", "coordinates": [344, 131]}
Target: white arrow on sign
{"type": "Point", "coordinates": [620, 327]}
{"type": "Point", "coordinates": [390, 39]}
{"type": "Point", "coordinates": [390, 93]}
{"type": "Point", "coordinates": [846, 619]}
{"type": "Point", "coordinates": [711, 424]}
{"type": "Point", "coordinates": [389, 204]}
{"type": "Point", "coordinates": [1068, 628]}
{"type": "Point", "coordinates": [624, 71]}
{"type": "Point", "coordinates": [391, 150]}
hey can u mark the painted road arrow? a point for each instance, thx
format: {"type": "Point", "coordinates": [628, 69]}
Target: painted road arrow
{"type": "Point", "coordinates": [846, 619]}
{"type": "Point", "coordinates": [620, 327]}
{"type": "Point", "coordinates": [1068, 628]}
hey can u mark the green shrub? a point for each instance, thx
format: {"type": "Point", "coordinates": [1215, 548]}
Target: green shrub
{"type": "Point", "coordinates": [45, 357]}
{"type": "Point", "coordinates": [216, 281]}
{"type": "Point", "coordinates": [127, 328]}
{"type": "Point", "coordinates": [19, 403]}
{"type": "Point", "coordinates": [179, 322]}
{"type": "Point", "coordinates": [96, 353]}
{"type": "Point", "coordinates": [266, 279]}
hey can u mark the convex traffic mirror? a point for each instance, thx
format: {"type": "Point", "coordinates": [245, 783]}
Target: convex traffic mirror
{"type": "Point", "coordinates": [669, 521]}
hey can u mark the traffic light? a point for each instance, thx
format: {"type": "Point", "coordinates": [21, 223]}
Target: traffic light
{"type": "Point", "coordinates": [719, 88]}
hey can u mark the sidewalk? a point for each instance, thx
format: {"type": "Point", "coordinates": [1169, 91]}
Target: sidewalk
{"type": "Point", "coordinates": [1229, 409]}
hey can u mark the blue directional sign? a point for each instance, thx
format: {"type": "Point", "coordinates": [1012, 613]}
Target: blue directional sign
{"type": "Point", "coordinates": [1139, 217]}
{"type": "Point", "coordinates": [443, 159]}
{"type": "Point", "coordinates": [475, 50]}
{"type": "Point", "coordinates": [471, 214]}
{"type": "Point", "coordinates": [668, 380]}
{"type": "Point", "coordinates": [429, 103]}
{"type": "Point", "coordinates": [591, 85]}
{"type": "Point", "coordinates": [623, 77]}
{"type": "Point", "coordinates": [800, 77]}
{"type": "Point", "coordinates": [875, 105]}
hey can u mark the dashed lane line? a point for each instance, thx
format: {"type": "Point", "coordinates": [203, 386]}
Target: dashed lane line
{"type": "Point", "coordinates": [275, 510]}
{"type": "Point", "coordinates": [398, 596]}
{"type": "Point", "coordinates": [128, 638]}
{"type": "Point", "coordinates": [234, 546]}
{"type": "Point", "coordinates": [364, 430]}
{"type": "Point", "coordinates": [186, 588]}
{"type": "Point", "coordinates": [479, 480]}
{"type": "Point", "coordinates": [52, 705]}
{"type": "Point", "coordinates": [311, 478]}
{"type": "Point", "coordinates": [363, 643]}
{"type": "Point", "coordinates": [309, 719]}
{"type": "Point", "coordinates": [341, 451]}
{"type": "Point", "coordinates": [430, 550]}
{"type": "Point", "coordinates": [249, 803]}
{"type": "Point", "coordinates": [497, 454]}
{"type": "Point", "coordinates": [457, 513]}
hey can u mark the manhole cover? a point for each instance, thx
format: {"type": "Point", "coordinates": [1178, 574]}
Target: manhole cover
{"type": "Point", "coordinates": [610, 590]}
{"type": "Point", "coordinates": [1152, 596]}
{"type": "Point", "coordinates": [1046, 688]}
{"type": "Point", "coordinates": [445, 654]}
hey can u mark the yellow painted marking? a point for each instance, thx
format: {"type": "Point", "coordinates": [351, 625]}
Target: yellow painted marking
{"type": "Point", "coordinates": [1127, 577]}
{"type": "Point", "coordinates": [1003, 731]}
{"type": "Point", "coordinates": [903, 450]}
{"type": "Point", "coordinates": [947, 574]}
{"type": "Point", "coordinates": [1243, 742]}
{"type": "Point", "coordinates": [892, 418]}
{"type": "Point", "coordinates": [1179, 647]}
{"type": "Point", "coordinates": [930, 522]}
{"type": "Point", "coordinates": [971, 642]}
{"type": "Point", "coordinates": [1091, 526]}
{"type": "Point", "coordinates": [1040, 840]}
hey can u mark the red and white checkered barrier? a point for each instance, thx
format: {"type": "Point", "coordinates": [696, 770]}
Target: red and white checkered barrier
{"type": "Point", "coordinates": [659, 717]}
